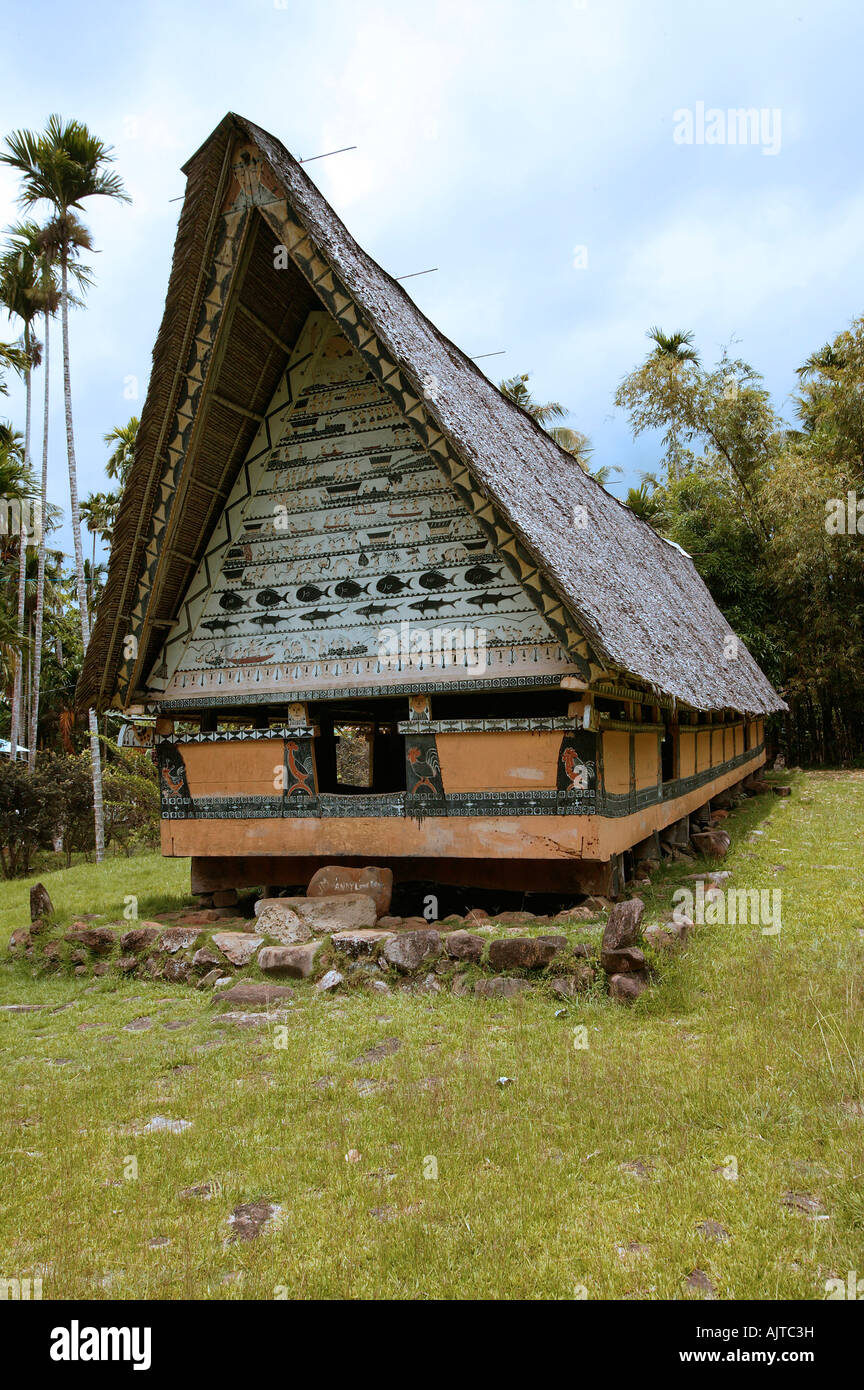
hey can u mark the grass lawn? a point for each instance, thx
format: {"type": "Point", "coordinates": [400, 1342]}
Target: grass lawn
{"type": "Point", "coordinates": [735, 1081]}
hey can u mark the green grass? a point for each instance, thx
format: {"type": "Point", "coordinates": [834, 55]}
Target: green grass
{"type": "Point", "coordinates": [748, 1047]}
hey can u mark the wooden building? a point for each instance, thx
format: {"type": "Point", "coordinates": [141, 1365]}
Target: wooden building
{"type": "Point", "coordinates": [337, 528]}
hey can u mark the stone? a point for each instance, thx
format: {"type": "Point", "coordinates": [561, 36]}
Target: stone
{"type": "Point", "coordinates": [297, 961]}
{"type": "Point", "coordinates": [500, 987]}
{"type": "Point", "coordinates": [201, 918]}
{"type": "Point", "coordinates": [558, 943]}
{"type": "Point", "coordinates": [713, 844]}
{"type": "Point", "coordinates": [138, 1025]}
{"type": "Point", "coordinates": [782, 791]}
{"type": "Point", "coordinates": [415, 923]}
{"type": "Point", "coordinates": [697, 1281]}
{"type": "Point", "coordinates": [337, 881]}
{"type": "Point", "coordinates": [210, 979]}
{"type": "Point", "coordinates": [622, 925]}
{"type": "Point", "coordinates": [580, 913]}
{"type": "Point", "coordinates": [476, 917]}
{"type": "Point", "coordinates": [178, 939]}
{"type": "Point", "coordinates": [514, 919]}
{"type": "Point", "coordinates": [326, 915]}
{"type": "Point", "coordinates": [210, 1188]}
{"type": "Point", "coordinates": [464, 945]}
{"type": "Point", "coordinates": [51, 950]}
{"type": "Point", "coordinates": [253, 992]}
{"type": "Point", "coordinates": [461, 985]}
{"type": "Point", "coordinates": [239, 947]}
{"type": "Point", "coordinates": [520, 953]}
{"type": "Point", "coordinates": [40, 902]}
{"type": "Point", "coordinates": [238, 1019]}
{"type": "Point", "coordinates": [665, 936]}
{"type": "Point", "coordinates": [390, 923]}
{"type": "Point", "coordinates": [411, 949]}
{"type": "Point", "coordinates": [627, 988]}
{"type": "Point", "coordinates": [176, 971]}
{"type": "Point", "coordinates": [332, 980]}
{"type": "Point", "coordinates": [20, 939]}
{"type": "Point", "coordinates": [101, 967]}
{"type": "Point", "coordinates": [139, 938]}
{"type": "Point", "coordinates": [568, 986]}
{"type": "Point", "coordinates": [712, 1230]}
{"type": "Point", "coordinates": [204, 956]}
{"type": "Point", "coordinates": [100, 940]}
{"type": "Point", "coordinates": [225, 897]}
{"type": "Point", "coordinates": [629, 960]}
{"type": "Point", "coordinates": [278, 919]}
{"type": "Point", "coordinates": [249, 1219]}
{"type": "Point", "coordinates": [363, 942]}
{"type": "Point", "coordinates": [378, 1052]}
{"type": "Point", "coordinates": [127, 964]}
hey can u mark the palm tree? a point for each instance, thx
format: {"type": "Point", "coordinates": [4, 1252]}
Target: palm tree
{"type": "Point", "coordinates": [15, 286]}
{"type": "Point", "coordinates": [47, 293]}
{"type": "Point", "coordinates": [62, 167]}
{"type": "Point", "coordinates": [825, 362]}
{"type": "Point", "coordinates": [123, 438]}
{"type": "Point", "coordinates": [98, 512]}
{"type": "Point", "coordinates": [16, 484]}
{"type": "Point", "coordinates": [676, 348]}
{"type": "Point", "coordinates": [574, 442]}
{"type": "Point", "coordinates": [25, 271]}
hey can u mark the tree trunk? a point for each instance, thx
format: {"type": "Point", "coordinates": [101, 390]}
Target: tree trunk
{"type": "Point", "coordinates": [40, 572]}
{"type": "Point", "coordinates": [95, 757]}
{"type": "Point", "coordinates": [17, 726]}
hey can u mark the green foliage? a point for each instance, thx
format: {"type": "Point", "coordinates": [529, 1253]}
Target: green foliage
{"type": "Point", "coordinates": [27, 815]}
{"type": "Point", "coordinates": [131, 791]}
{"type": "Point", "coordinates": [746, 496]}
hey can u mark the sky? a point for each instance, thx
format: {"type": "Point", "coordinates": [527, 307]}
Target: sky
{"type": "Point", "coordinates": [561, 162]}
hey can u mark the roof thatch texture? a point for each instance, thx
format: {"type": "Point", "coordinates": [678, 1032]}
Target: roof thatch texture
{"type": "Point", "coordinates": [638, 600]}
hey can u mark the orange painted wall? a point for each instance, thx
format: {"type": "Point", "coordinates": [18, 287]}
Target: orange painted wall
{"type": "Point", "coordinates": [616, 761]}
{"type": "Point", "coordinates": [687, 755]}
{"type": "Point", "coordinates": [647, 767]}
{"type": "Point", "coordinates": [233, 769]}
{"type": "Point", "coordinates": [498, 762]}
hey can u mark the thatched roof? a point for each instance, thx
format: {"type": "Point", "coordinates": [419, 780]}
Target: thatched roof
{"type": "Point", "coordinates": [638, 600]}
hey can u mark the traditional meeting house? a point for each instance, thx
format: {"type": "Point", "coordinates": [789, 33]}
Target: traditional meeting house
{"type": "Point", "coordinates": [339, 537]}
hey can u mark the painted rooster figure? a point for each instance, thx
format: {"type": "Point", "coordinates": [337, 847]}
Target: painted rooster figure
{"type": "Point", "coordinates": [418, 760]}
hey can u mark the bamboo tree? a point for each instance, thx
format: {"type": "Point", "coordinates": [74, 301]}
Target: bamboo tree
{"type": "Point", "coordinates": [62, 167]}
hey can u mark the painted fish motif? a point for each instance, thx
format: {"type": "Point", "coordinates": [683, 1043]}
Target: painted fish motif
{"type": "Point", "coordinates": [431, 605]}
{"type": "Point", "coordinates": [479, 574]}
{"type": "Point", "coordinates": [348, 588]}
{"type": "Point", "coordinates": [320, 615]}
{"type": "Point", "coordinates": [268, 598]}
{"type": "Point", "coordinates": [218, 625]}
{"type": "Point", "coordinates": [310, 593]}
{"type": "Point", "coordinates": [481, 600]}
{"type": "Point", "coordinates": [267, 619]}
{"type": "Point", "coordinates": [392, 584]}
{"type": "Point", "coordinates": [432, 579]}
{"type": "Point", "coordinates": [231, 602]}
{"type": "Point", "coordinates": [374, 610]}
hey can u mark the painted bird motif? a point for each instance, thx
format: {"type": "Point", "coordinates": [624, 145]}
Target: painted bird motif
{"type": "Point", "coordinates": [173, 787]}
{"type": "Point", "coordinates": [418, 759]}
